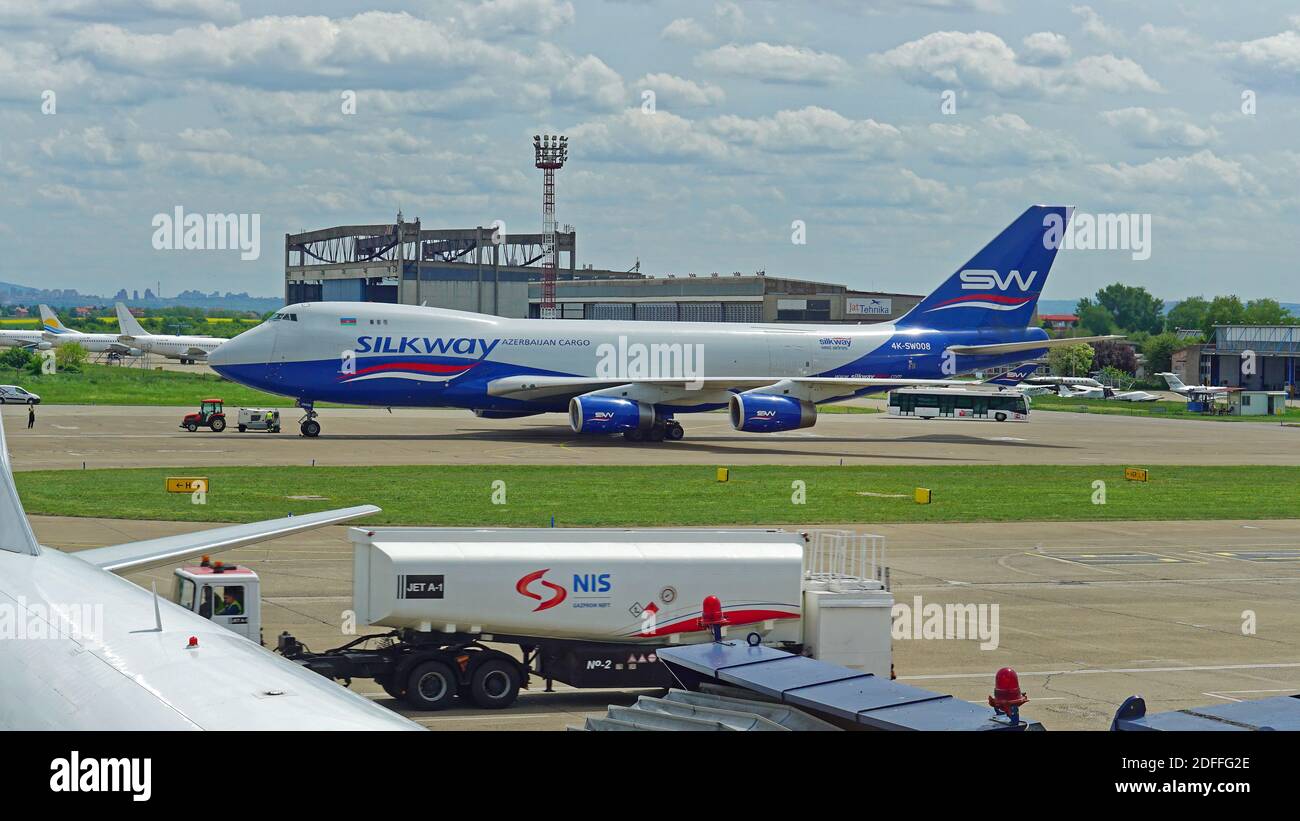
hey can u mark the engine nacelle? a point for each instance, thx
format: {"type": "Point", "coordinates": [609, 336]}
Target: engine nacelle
{"type": "Point", "coordinates": [608, 414]}
{"type": "Point", "coordinates": [766, 413]}
{"type": "Point", "coordinates": [44, 346]}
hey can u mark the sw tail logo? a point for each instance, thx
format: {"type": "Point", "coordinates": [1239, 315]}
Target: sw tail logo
{"type": "Point", "coordinates": [558, 593]}
{"type": "Point", "coordinates": [988, 280]}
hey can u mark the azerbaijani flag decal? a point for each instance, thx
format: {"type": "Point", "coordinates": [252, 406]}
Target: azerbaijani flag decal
{"type": "Point", "coordinates": [347, 320]}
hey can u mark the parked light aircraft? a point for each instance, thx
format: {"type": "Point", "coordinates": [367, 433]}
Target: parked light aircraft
{"type": "Point", "coordinates": [635, 377]}
{"type": "Point", "coordinates": [56, 333]}
{"type": "Point", "coordinates": [1103, 392]}
{"type": "Point", "coordinates": [84, 649]}
{"type": "Point", "coordinates": [1017, 379]}
{"type": "Point", "coordinates": [1176, 385]}
{"type": "Point", "coordinates": [187, 348]}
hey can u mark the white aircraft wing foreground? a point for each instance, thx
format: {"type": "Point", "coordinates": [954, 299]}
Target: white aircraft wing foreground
{"type": "Point", "coordinates": [167, 550]}
{"type": "Point", "coordinates": [84, 649]}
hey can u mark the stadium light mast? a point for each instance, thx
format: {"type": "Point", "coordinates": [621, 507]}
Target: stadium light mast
{"type": "Point", "coordinates": [550, 152]}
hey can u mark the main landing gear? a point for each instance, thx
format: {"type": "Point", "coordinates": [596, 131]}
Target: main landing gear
{"type": "Point", "coordinates": [669, 429]}
{"type": "Point", "coordinates": [308, 425]}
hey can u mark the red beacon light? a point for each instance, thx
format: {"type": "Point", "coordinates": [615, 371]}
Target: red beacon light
{"type": "Point", "coordinates": [1007, 697]}
{"type": "Point", "coordinates": [194, 642]}
{"type": "Point", "coordinates": [712, 617]}
{"type": "Point", "coordinates": [207, 562]}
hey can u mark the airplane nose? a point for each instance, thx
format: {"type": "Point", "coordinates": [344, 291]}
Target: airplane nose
{"type": "Point", "coordinates": [252, 347]}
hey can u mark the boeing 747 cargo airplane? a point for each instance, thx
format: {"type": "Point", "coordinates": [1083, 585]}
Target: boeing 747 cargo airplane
{"type": "Point", "coordinates": [634, 378]}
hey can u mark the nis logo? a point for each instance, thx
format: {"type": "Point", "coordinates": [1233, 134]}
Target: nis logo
{"type": "Point", "coordinates": [548, 594]}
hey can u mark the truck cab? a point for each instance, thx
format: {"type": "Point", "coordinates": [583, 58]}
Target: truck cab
{"type": "Point", "coordinates": [228, 595]}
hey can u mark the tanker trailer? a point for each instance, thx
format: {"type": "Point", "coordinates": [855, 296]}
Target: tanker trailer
{"type": "Point", "coordinates": [587, 607]}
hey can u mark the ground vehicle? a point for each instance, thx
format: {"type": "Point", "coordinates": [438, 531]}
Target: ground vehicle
{"type": "Point", "coordinates": [259, 419]}
{"type": "Point", "coordinates": [15, 394]}
{"type": "Point", "coordinates": [958, 403]}
{"type": "Point", "coordinates": [211, 414]}
{"type": "Point", "coordinates": [586, 607]}
{"type": "Point", "coordinates": [226, 594]}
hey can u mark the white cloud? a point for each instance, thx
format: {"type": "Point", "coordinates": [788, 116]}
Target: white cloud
{"type": "Point", "coordinates": [530, 17]}
{"type": "Point", "coordinates": [1201, 173]}
{"type": "Point", "coordinates": [1094, 27]}
{"type": "Point", "coordinates": [632, 136]}
{"type": "Point", "coordinates": [373, 49]}
{"type": "Point", "coordinates": [776, 63]}
{"type": "Point", "coordinates": [810, 129]}
{"type": "Point", "coordinates": [1170, 37]}
{"type": "Point", "coordinates": [688, 31]}
{"type": "Point", "coordinates": [982, 61]}
{"type": "Point", "coordinates": [1147, 128]}
{"type": "Point", "coordinates": [1046, 48]}
{"type": "Point", "coordinates": [676, 92]}
{"type": "Point", "coordinates": [1274, 59]}
{"type": "Point", "coordinates": [1106, 72]}
{"type": "Point", "coordinates": [998, 139]}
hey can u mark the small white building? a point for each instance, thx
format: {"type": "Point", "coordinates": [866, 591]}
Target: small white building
{"type": "Point", "coordinates": [1257, 403]}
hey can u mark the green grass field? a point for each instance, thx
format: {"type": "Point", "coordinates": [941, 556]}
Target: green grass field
{"type": "Point", "coordinates": [124, 385]}
{"type": "Point", "coordinates": [592, 495]}
{"type": "Point", "coordinates": [1159, 410]}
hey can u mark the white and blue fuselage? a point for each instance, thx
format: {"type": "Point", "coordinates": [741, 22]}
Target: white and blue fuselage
{"type": "Point", "coordinates": [632, 377]}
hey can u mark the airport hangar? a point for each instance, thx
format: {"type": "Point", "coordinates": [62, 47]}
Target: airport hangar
{"type": "Point", "coordinates": [465, 269]}
{"type": "Point", "coordinates": [1222, 361]}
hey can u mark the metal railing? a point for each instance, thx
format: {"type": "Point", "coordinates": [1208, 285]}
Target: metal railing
{"type": "Point", "coordinates": [838, 557]}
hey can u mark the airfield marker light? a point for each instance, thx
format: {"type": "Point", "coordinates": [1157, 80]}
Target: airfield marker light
{"type": "Point", "coordinates": [712, 617]}
{"type": "Point", "coordinates": [1007, 696]}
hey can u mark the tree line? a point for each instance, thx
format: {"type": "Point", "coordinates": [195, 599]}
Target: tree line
{"type": "Point", "coordinates": [1133, 311]}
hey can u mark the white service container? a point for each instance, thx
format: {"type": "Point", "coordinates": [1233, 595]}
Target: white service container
{"type": "Point", "coordinates": [603, 585]}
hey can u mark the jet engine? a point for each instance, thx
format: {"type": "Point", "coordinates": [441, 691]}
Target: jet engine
{"type": "Point", "coordinates": [608, 414]}
{"type": "Point", "coordinates": [767, 413]}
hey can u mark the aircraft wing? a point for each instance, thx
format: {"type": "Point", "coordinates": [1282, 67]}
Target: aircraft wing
{"type": "Point", "coordinates": [170, 549]}
{"type": "Point", "coordinates": [1017, 347]}
{"type": "Point", "coordinates": [544, 387]}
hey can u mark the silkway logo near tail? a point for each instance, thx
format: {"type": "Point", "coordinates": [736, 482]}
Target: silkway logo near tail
{"type": "Point", "coordinates": [989, 280]}
{"type": "Point", "coordinates": [465, 346]}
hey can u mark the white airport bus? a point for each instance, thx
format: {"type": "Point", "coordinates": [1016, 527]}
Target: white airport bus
{"type": "Point", "coordinates": [959, 403]}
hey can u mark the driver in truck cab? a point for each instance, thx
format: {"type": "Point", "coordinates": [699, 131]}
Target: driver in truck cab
{"type": "Point", "coordinates": [229, 604]}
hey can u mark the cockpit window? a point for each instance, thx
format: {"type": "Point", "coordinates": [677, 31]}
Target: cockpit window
{"type": "Point", "coordinates": [284, 317]}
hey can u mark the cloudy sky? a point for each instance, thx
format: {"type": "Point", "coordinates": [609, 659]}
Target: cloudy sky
{"type": "Point", "coordinates": [830, 112]}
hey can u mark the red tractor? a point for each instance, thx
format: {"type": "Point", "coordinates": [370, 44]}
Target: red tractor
{"type": "Point", "coordinates": [210, 414]}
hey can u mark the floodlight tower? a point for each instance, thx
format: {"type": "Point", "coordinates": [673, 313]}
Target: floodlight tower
{"type": "Point", "coordinates": [549, 152]}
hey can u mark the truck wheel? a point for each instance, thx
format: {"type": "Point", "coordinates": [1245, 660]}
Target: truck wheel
{"type": "Point", "coordinates": [191, 427]}
{"type": "Point", "coordinates": [494, 684]}
{"type": "Point", "coordinates": [243, 428]}
{"type": "Point", "coordinates": [1001, 417]}
{"type": "Point", "coordinates": [218, 425]}
{"type": "Point", "coordinates": [431, 686]}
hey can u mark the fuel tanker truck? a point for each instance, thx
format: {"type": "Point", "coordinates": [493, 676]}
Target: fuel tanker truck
{"type": "Point", "coordinates": [475, 613]}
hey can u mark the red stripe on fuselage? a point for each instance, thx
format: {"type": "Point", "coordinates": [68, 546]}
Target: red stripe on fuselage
{"type": "Point", "coordinates": [419, 367]}
{"type": "Point", "coordinates": [1005, 300]}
